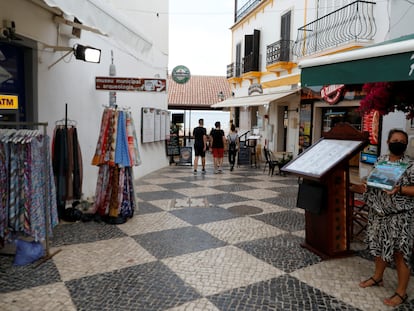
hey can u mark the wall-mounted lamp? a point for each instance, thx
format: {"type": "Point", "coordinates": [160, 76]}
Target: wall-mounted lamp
{"type": "Point", "coordinates": [85, 53]}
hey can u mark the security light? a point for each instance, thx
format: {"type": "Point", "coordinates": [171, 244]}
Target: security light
{"type": "Point", "coordinates": [87, 53]}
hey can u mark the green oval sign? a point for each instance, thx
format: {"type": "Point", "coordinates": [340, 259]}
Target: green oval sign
{"type": "Point", "coordinates": [181, 74]}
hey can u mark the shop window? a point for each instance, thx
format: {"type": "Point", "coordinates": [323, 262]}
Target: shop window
{"type": "Point", "coordinates": [332, 116]}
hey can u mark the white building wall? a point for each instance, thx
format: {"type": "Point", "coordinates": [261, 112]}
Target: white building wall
{"type": "Point", "coordinates": [72, 81]}
{"type": "Point", "coordinates": [401, 21]}
{"type": "Point", "coordinates": [268, 21]}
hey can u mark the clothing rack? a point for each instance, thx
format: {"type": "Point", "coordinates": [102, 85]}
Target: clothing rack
{"type": "Point", "coordinates": [46, 189]}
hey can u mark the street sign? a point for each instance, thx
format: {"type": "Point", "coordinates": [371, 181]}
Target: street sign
{"type": "Point", "coordinates": [130, 84]}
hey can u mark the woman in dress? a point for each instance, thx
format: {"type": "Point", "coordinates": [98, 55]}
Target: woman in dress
{"type": "Point", "coordinates": [390, 231]}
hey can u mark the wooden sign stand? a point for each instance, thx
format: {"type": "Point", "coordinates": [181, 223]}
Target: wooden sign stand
{"type": "Point", "coordinates": [327, 227]}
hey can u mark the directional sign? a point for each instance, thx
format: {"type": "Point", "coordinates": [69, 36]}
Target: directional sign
{"type": "Point", "coordinates": [130, 84]}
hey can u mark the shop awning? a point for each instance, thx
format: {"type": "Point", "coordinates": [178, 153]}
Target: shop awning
{"type": "Point", "coordinates": [100, 15]}
{"type": "Point", "coordinates": [255, 100]}
{"type": "Point", "coordinates": [389, 61]}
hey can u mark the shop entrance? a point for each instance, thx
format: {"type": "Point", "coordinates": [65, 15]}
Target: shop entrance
{"type": "Point", "coordinates": [16, 79]}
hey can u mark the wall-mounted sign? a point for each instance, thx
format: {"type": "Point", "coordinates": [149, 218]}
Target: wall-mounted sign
{"type": "Point", "coordinates": [255, 88]}
{"type": "Point", "coordinates": [130, 84]}
{"type": "Point", "coordinates": [371, 122]}
{"type": "Point", "coordinates": [181, 74]}
{"type": "Point", "coordinates": [9, 102]}
{"type": "Point", "coordinates": [332, 93]}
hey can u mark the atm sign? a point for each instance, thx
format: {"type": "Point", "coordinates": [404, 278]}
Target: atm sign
{"type": "Point", "coordinates": [9, 102]}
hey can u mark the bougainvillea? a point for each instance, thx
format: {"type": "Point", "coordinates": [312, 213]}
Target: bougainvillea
{"type": "Point", "coordinates": [386, 97]}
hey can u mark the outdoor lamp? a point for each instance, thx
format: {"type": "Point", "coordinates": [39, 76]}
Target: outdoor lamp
{"type": "Point", "coordinates": [87, 53]}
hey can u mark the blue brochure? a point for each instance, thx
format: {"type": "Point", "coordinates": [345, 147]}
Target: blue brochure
{"type": "Point", "coordinates": [386, 175]}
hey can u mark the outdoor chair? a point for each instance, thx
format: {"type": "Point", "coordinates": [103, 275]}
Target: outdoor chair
{"type": "Point", "coordinates": [271, 163]}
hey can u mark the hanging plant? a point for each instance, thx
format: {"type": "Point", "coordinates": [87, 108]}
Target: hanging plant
{"type": "Point", "coordinates": [386, 97]}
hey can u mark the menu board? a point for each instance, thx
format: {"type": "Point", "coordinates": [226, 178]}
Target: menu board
{"type": "Point", "coordinates": [322, 156]}
{"type": "Point", "coordinates": [157, 125]}
{"type": "Point", "coordinates": [147, 130]}
{"type": "Point", "coordinates": [186, 155]}
{"type": "Point", "coordinates": [163, 124]}
{"type": "Point", "coordinates": [243, 154]}
{"type": "Point", "coordinates": [173, 145]}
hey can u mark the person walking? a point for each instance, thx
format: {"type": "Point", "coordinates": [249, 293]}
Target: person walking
{"type": "Point", "coordinates": [200, 146]}
{"type": "Point", "coordinates": [217, 147]}
{"type": "Point", "coordinates": [390, 230]}
{"type": "Point", "coordinates": [233, 143]}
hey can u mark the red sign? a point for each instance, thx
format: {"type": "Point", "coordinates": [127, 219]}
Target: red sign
{"type": "Point", "coordinates": [332, 93]}
{"type": "Point", "coordinates": [371, 125]}
{"type": "Point", "coordinates": [130, 84]}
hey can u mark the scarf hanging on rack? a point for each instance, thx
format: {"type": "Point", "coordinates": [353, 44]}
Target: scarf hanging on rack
{"type": "Point", "coordinates": [24, 174]}
{"type": "Point", "coordinates": [118, 143]}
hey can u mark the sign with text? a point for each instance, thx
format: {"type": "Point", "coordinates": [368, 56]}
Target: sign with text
{"type": "Point", "coordinates": [130, 84]}
{"type": "Point", "coordinates": [9, 102]}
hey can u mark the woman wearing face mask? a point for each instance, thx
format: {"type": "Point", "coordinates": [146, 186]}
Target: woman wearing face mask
{"type": "Point", "coordinates": [390, 231]}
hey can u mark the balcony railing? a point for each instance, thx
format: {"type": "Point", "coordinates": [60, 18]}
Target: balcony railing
{"type": "Point", "coordinates": [280, 51]}
{"type": "Point", "coordinates": [250, 63]}
{"type": "Point", "coordinates": [234, 70]}
{"type": "Point", "coordinates": [351, 23]}
{"type": "Point", "coordinates": [245, 9]}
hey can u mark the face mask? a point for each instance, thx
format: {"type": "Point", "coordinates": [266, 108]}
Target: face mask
{"type": "Point", "coordinates": [397, 148]}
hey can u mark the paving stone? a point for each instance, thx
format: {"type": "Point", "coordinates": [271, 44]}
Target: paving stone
{"type": "Point", "coordinates": [146, 287]}
{"type": "Point", "coordinates": [282, 251]}
{"type": "Point", "coordinates": [282, 293]}
{"type": "Point", "coordinates": [286, 220]}
{"type": "Point", "coordinates": [211, 242]}
{"type": "Point", "coordinates": [200, 216]}
{"type": "Point", "coordinates": [84, 232]}
{"type": "Point", "coordinates": [175, 242]}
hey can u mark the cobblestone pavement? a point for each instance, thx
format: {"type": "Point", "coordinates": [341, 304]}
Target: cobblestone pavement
{"type": "Point", "coordinates": [228, 241]}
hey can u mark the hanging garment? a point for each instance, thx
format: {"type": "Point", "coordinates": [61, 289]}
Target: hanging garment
{"type": "Point", "coordinates": [60, 167]}
{"type": "Point", "coordinates": [67, 167]}
{"type": "Point", "coordinates": [28, 193]}
{"type": "Point", "coordinates": [114, 195]}
{"type": "Point", "coordinates": [121, 149]}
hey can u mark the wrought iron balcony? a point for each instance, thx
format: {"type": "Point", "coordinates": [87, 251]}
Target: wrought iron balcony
{"type": "Point", "coordinates": [280, 51]}
{"type": "Point", "coordinates": [234, 70]}
{"type": "Point", "coordinates": [351, 23]}
{"type": "Point", "coordinates": [245, 9]}
{"type": "Point", "coordinates": [250, 63]}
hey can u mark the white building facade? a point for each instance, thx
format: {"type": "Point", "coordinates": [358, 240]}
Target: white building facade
{"type": "Point", "coordinates": [50, 77]}
{"type": "Point", "coordinates": [270, 41]}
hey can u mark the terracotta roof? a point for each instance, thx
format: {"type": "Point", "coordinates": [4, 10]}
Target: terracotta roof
{"type": "Point", "coordinates": [200, 92]}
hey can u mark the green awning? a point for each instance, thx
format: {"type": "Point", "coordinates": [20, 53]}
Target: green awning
{"type": "Point", "coordinates": [393, 61]}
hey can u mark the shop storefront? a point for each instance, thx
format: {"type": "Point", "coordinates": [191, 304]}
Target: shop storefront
{"type": "Point", "coordinates": [44, 79]}
{"type": "Point", "coordinates": [340, 81]}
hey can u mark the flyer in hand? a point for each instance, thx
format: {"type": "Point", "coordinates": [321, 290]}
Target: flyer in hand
{"type": "Point", "coordinates": [386, 175]}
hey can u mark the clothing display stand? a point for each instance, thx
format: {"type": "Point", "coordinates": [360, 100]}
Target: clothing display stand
{"type": "Point", "coordinates": [48, 255]}
{"type": "Point", "coordinates": [66, 162]}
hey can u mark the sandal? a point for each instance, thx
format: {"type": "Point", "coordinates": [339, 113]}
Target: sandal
{"type": "Point", "coordinates": [374, 283]}
{"type": "Point", "coordinates": [388, 301]}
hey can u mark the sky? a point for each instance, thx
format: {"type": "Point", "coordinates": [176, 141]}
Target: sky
{"type": "Point", "coordinates": [200, 35]}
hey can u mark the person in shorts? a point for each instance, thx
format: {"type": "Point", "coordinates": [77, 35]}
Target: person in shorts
{"type": "Point", "coordinates": [200, 145]}
{"type": "Point", "coordinates": [217, 147]}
